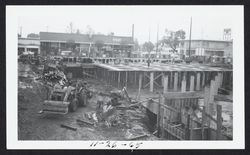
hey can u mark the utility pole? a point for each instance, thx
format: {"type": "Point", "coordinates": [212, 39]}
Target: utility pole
{"type": "Point", "coordinates": [157, 39]}
{"type": "Point", "coordinates": [190, 37]}
{"type": "Point", "coordinates": [133, 31]}
{"type": "Point", "coordinates": [149, 34]}
{"type": "Point", "coordinates": [148, 42]}
{"type": "Point", "coordinates": [21, 28]}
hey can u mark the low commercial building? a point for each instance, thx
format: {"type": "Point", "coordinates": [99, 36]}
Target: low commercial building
{"type": "Point", "coordinates": [95, 45]}
{"type": "Point", "coordinates": [207, 48]}
{"type": "Point", "coordinates": [28, 45]}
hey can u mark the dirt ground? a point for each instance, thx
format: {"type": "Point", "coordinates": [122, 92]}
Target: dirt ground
{"type": "Point", "coordinates": [34, 126]}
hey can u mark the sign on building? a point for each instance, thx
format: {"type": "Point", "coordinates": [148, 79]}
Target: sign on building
{"type": "Point", "coordinates": [227, 34]}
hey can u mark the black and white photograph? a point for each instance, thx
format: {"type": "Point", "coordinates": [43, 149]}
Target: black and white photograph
{"type": "Point", "coordinates": [127, 77]}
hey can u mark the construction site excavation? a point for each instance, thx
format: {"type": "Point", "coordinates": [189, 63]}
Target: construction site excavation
{"type": "Point", "coordinates": [129, 100]}
{"type": "Point", "coordinates": [127, 80]}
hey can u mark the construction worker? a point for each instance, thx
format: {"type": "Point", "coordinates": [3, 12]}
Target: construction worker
{"type": "Point", "coordinates": [148, 61]}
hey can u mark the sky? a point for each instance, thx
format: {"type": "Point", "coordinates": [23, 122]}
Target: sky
{"type": "Point", "coordinates": [208, 22]}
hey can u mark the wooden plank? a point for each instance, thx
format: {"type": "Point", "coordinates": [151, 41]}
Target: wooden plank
{"type": "Point", "coordinates": [85, 122]}
{"type": "Point", "coordinates": [210, 117]}
{"type": "Point", "coordinates": [173, 135]}
{"type": "Point", "coordinates": [219, 122]}
{"type": "Point", "coordinates": [181, 95]}
{"type": "Point", "coordinates": [138, 137]}
{"type": "Point", "coordinates": [68, 127]}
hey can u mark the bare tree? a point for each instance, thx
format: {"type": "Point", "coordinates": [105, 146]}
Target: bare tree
{"type": "Point", "coordinates": [89, 31]}
{"type": "Point", "coordinates": [70, 28]}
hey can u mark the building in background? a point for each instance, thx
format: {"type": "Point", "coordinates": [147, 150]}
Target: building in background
{"type": "Point", "coordinates": [207, 48]}
{"type": "Point", "coordinates": [28, 45]}
{"type": "Point", "coordinates": [96, 45]}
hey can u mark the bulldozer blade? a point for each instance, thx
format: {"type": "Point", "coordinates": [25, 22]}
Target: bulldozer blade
{"type": "Point", "coordinates": [55, 107]}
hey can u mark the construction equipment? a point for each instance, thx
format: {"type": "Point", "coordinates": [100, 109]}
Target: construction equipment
{"type": "Point", "coordinates": [62, 100]}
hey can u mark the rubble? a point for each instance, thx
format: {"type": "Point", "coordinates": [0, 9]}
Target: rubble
{"type": "Point", "coordinates": [135, 132]}
{"type": "Point", "coordinates": [84, 121]}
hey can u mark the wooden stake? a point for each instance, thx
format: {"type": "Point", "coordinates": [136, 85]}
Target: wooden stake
{"type": "Point", "coordinates": [191, 128]}
{"type": "Point", "coordinates": [126, 79]}
{"type": "Point", "coordinates": [187, 131]}
{"type": "Point", "coordinates": [170, 80]}
{"type": "Point", "coordinates": [175, 81]}
{"type": "Point", "coordinates": [191, 83]}
{"type": "Point", "coordinates": [219, 122]}
{"type": "Point", "coordinates": [119, 79]}
{"type": "Point", "coordinates": [206, 99]}
{"type": "Point", "coordinates": [151, 89]}
{"type": "Point", "coordinates": [183, 84]}
{"type": "Point", "coordinates": [163, 122]}
{"type": "Point", "coordinates": [198, 81]}
{"type": "Point", "coordinates": [203, 79]}
{"type": "Point", "coordinates": [165, 84]}
{"type": "Point", "coordinates": [159, 117]}
{"type": "Point", "coordinates": [221, 79]}
{"type": "Point", "coordinates": [203, 123]}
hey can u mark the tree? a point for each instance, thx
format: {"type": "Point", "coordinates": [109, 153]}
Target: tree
{"type": "Point", "coordinates": [136, 46]}
{"type": "Point", "coordinates": [78, 31]}
{"type": "Point", "coordinates": [33, 35]}
{"type": "Point", "coordinates": [71, 45]}
{"type": "Point", "coordinates": [90, 31]}
{"type": "Point", "coordinates": [148, 46]}
{"type": "Point", "coordinates": [111, 34]}
{"type": "Point", "coordinates": [99, 44]}
{"type": "Point", "coordinates": [172, 39]}
{"type": "Point", "coordinates": [71, 27]}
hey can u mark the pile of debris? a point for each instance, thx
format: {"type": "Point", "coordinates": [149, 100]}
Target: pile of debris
{"type": "Point", "coordinates": [116, 109]}
{"type": "Point", "coordinates": [52, 77]}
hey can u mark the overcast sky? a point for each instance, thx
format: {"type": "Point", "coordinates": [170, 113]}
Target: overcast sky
{"type": "Point", "coordinates": [208, 21]}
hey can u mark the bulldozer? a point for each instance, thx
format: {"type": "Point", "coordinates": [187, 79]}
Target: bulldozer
{"type": "Point", "coordinates": [63, 100]}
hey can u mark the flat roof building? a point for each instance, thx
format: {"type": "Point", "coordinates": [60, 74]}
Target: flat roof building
{"type": "Point", "coordinates": [207, 48]}
{"type": "Point", "coordinates": [26, 45]}
{"type": "Point", "coordinates": [83, 44]}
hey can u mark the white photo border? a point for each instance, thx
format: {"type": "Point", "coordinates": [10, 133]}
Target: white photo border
{"type": "Point", "coordinates": [238, 142]}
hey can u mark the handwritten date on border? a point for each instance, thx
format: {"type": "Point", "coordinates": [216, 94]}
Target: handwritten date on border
{"type": "Point", "coordinates": [115, 144]}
